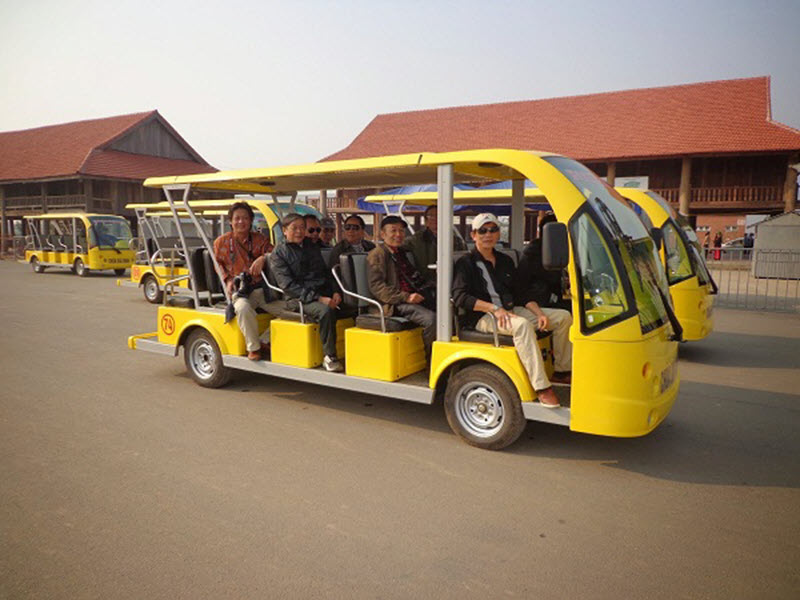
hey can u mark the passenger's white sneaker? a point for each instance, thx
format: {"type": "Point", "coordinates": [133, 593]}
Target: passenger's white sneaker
{"type": "Point", "coordinates": [332, 364]}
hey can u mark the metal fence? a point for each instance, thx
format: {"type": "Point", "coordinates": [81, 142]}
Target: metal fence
{"type": "Point", "coordinates": [756, 279]}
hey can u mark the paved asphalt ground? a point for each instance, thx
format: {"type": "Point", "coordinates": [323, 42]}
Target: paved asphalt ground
{"type": "Point", "coordinates": [120, 478]}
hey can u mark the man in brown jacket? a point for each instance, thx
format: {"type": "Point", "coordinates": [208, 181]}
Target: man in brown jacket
{"type": "Point", "coordinates": [397, 284]}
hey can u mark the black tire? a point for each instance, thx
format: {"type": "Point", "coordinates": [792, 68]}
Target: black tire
{"type": "Point", "coordinates": [152, 293]}
{"type": "Point", "coordinates": [204, 360]}
{"type": "Point", "coordinates": [80, 268]}
{"type": "Point", "coordinates": [483, 407]}
{"type": "Point", "coordinates": [120, 272]}
{"type": "Point", "coordinates": [36, 265]}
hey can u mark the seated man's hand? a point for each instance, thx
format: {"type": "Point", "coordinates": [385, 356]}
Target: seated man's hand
{"type": "Point", "coordinates": [542, 322]}
{"type": "Point", "coordinates": [503, 318]}
{"type": "Point", "coordinates": [336, 300]}
{"type": "Point", "coordinates": [257, 267]}
{"type": "Point", "coordinates": [415, 298]}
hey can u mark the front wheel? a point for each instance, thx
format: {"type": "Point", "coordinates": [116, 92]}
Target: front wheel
{"type": "Point", "coordinates": [204, 360]}
{"type": "Point", "coordinates": [483, 407]}
{"type": "Point", "coordinates": [80, 268]}
{"type": "Point", "coordinates": [152, 293]}
{"type": "Point", "coordinates": [36, 265]}
{"type": "Point", "coordinates": [119, 271]}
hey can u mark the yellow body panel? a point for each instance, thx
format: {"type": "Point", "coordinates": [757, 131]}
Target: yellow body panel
{"type": "Point", "coordinates": [299, 345]}
{"type": "Point", "coordinates": [692, 301]}
{"type": "Point", "coordinates": [385, 356]}
{"type": "Point", "coordinates": [617, 390]}
{"type": "Point", "coordinates": [95, 259]}
{"type": "Point", "coordinates": [505, 358]}
{"type": "Point", "coordinates": [173, 323]}
{"type": "Point", "coordinates": [161, 272]}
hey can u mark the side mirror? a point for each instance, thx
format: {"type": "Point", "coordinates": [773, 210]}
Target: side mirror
{"type": "Point", "coordinates": [555, 247]}
{"type": "Point", "coordinates": [658, 237]}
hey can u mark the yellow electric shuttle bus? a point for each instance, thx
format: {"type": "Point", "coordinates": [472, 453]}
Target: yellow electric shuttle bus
{"type": "Point", "coordinates": [160, 259]}
{"type": "Point", "coordinates": [624, 334]}
{"type": "Point", "coordinates": [690, 282]}
{"type": "Point", "coordinates": [78, 241]}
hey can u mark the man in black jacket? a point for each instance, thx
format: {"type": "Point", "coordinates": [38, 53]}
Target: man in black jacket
{"type": "Point", "coordinates": [353, 240]}
{"type": "Point", "coordinates": [301, 272]}
{"type": "Point", "coordinates": [534, 282]}
{"type": "Point", "coordinates": [483, 283]}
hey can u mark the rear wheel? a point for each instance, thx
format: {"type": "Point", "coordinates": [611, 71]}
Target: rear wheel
{"type": "Point", "coordinates": [80, 268]}
{"type": "Point", "coordinates": [119, 271]}
{"type": "Point", "coordinates": [152, 293]}
{"type": "Point", "coordinates": [36, 265]}
{"type": "Point", "coordinates": [204, 360]}
{"type": "Point", "coordinates": [483, 407]}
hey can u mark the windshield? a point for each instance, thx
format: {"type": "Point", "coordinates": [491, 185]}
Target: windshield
{"type": "Point", "coordinates": [109, 232]}
{"type": "Point", "coordinates": [632, 241]}
{"type": "Point", "coordinates": [676, 255]}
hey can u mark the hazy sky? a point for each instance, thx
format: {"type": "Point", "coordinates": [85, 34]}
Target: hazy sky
{"type": "Point", "coordinates": [269, 83]}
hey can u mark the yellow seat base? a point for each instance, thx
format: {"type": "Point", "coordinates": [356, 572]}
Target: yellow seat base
{"type": "Point", "coordinates": [299, 345]}
{"type": "Point", "coordinates": [383, 356]}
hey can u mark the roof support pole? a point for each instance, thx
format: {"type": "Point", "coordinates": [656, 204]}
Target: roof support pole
{"type": "Point", "coordinates": [3, 223]}
{"type": "Point", "coordinates": [517, 213]}
{"type": "Point", "coordinates": [685, 193]}
{"type": "Point", "coordinates": [790, 185]}
{"type": "Point", "coordinates": [444, 253]}
{"type": "Point", "coordinates": [611, 173]}
{"type": "Point", "coordinates": [323, 202]}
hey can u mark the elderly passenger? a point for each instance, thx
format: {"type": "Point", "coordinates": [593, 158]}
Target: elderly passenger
{"type": "Point", "coordinates": [353, 240]}
{"type": "Point", "coordinates": [301, 272]}
{"type": "Point", "coordinates": [483, 284]}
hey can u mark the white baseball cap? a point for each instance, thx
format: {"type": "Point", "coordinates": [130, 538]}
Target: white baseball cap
{"type": "Point", "coordinates": [482, 219]}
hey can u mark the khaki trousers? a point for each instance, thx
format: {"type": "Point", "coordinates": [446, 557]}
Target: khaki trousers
{"type": "Point", "coordinates": [246, 318]}
{"type": "Point", "coordinates": [523, 329]}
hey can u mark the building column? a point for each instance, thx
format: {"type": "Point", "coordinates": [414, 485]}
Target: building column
{"type": "Point", "coordinates": [43, 194]}
{"type": "Point", "coordinates": [87, 195]}
{"type": "Point", "coordinates": [790, 185]}
{"type": "Point", "coordinates": [611, 173]}
{"type": "Point", "coordinates": [115, 203]}
{"type": "Point", "coordinates": [3, 224]}
{"type": "Point", "coordinates": [323, 203]}
{"type": "Point", "coordinates": [685, 194]}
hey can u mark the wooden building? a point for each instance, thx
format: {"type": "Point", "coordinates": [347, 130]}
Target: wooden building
{"type": "Point", "coordinates": [96, 165]}
{"type": "Point", "coordinates": [709, 148]}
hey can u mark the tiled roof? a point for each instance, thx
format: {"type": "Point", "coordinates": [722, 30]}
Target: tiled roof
{"type": "Point", "coordinates": [715, 117]}
{"type": "Point", "coordinates": [70, 149]}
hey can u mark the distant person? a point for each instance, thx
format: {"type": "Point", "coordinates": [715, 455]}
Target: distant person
{"type": "Point", "coordinates": [748, 242]}
{"type": "Point", "coordinates": [238, 251]}
{"type": "Point", "coordinates": [313, 230]}
{"type": "Point", "coordinates": [301, 272]}
{"type": "Point", "coordinates": [534, 282]}
{"type": "Point", "coordinates": [398, 285]}
{"type": "Point", "coordinates": [718, 246]}
{"type": "Point", "coordinates": [422, 245]}
{"type": "Point", "coordinates": [353, 240]}
{"type": "Point", "coordinates": [328, 231]}
{"type": "Point", "coordinates": [483, 282]}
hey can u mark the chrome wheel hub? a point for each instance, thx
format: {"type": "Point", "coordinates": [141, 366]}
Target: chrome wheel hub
{"type": "Point", "coordinates": [479, 410]}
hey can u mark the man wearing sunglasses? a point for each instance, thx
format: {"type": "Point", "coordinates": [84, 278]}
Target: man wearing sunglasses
{"type": "Point", "coordinates": [313, 230]}
{"type": "Point", "coordinates": [483, 285]}
{"type": "Point", "coordinates": [353, 240]}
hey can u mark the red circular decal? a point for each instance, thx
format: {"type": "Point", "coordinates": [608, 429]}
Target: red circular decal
{"type": "Point", "coordinates": [168, 324]}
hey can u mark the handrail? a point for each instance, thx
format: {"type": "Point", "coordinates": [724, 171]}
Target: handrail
{"type": "Point", "coordinates": [283, 293]}
{"type": "Point", "coordinates": [359, 296]}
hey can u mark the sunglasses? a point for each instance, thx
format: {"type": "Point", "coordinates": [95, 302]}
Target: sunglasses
{"type": "Point", "coordinates": [352, 227]}
{"type": "Point", "coordinates": [313, 229]}
{"type": "Point", "coordinates": [485, 230]}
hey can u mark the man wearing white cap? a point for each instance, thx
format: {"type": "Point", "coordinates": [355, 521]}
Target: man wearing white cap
{"type": "Point", "coordinates": [483, 285]}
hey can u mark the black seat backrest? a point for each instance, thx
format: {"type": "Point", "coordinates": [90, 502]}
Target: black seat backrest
{"type": "Point", "coordinates": [354, 278]}
{"type": "Point", "coordinates": [198, 266]}
{"type": "Point", "coordinates": [326, 254]}
{"type": "Point", "coordinates": [151, 247]}
{"type": "Point", "coordinates": [213, 281]}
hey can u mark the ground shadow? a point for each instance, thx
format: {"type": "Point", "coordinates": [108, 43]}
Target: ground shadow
{"type": "Point", "coordinates": [715, 435]}
{"type": "Point", "coordinates": [742, 350]}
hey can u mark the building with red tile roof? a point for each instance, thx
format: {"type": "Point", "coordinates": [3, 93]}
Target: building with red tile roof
{"type": "Point", "coordinates": [709, 147]}
{"type": "Point", "coordinates": [96, 165]}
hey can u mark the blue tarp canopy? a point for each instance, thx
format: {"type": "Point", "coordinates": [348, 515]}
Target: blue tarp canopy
{"type": "Point", "coordinates": [397, 195]}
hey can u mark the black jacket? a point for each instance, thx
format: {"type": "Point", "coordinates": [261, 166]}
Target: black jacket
{"type": "Point", "coordinates": [344, 247]}
{"type": "Point", "coordinates": [470, 286]}
{"type": "Point", "coordinates": [535, 283]}
{"type": "Point", "coordinates": [301, 271]}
